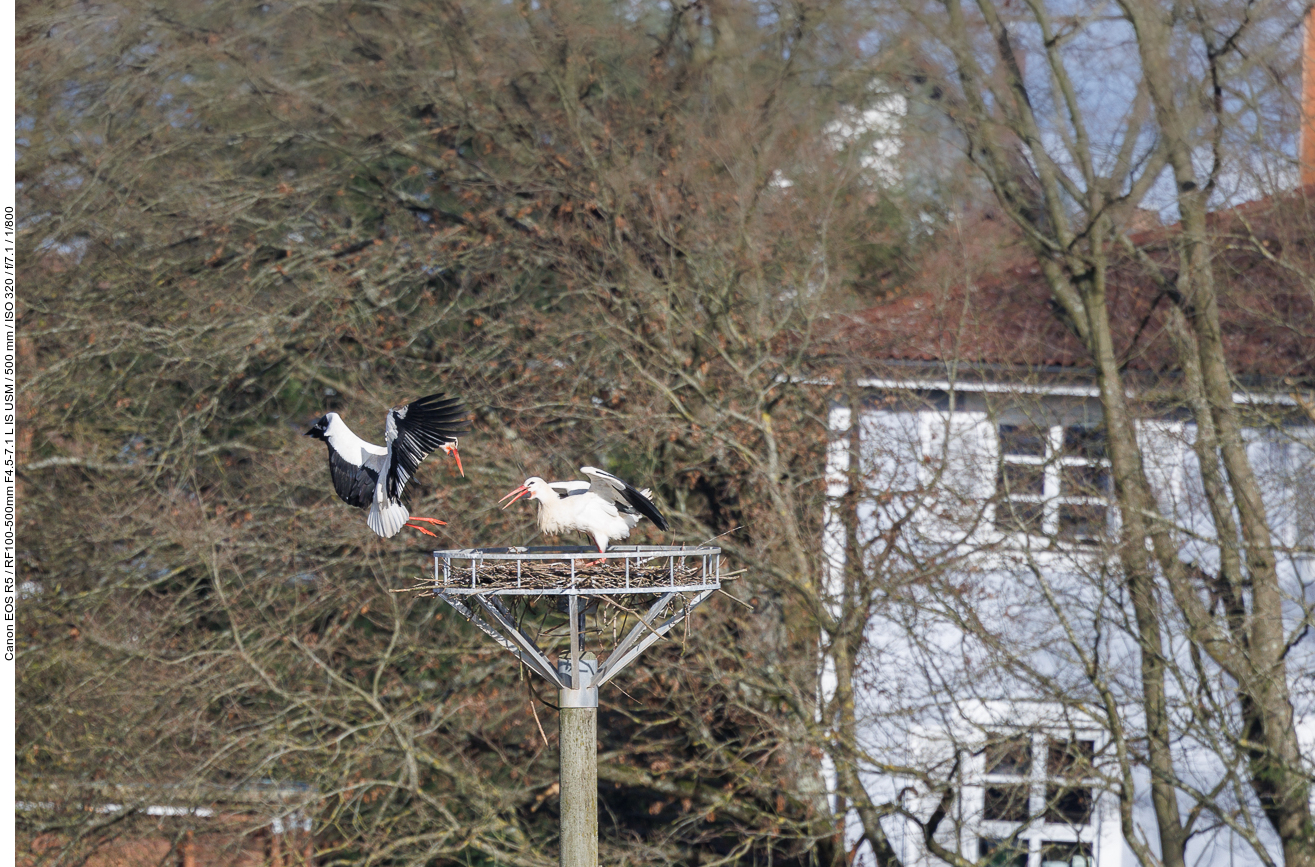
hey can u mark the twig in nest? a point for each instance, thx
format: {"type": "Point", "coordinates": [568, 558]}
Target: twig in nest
{"type": "Point", "coordinates": [428, 586]}
{"type": "Point", "coordinates": [719, 535]}
{"type": "Point", "coordinates": [735, 598]}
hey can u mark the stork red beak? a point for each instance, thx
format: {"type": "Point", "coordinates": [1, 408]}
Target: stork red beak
{"type": "Point", "coordinates": [515, 495]}
{"type": "Point", "coordinates": [451, 448]}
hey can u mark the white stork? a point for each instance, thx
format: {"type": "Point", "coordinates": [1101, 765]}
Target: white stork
{"type": "Point", "coordinates": [604, 508]}
{"type": "Point", "coordinates": [365, 474]}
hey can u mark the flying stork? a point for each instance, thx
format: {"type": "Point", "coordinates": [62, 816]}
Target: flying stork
{"type": "Point", "coordinates": [604, 508]}
{"type": "Point", "coordinates": [365, 474]}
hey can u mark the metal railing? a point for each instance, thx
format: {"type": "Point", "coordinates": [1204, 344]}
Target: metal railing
{"type": "Point", "coordinates": [579, 570]}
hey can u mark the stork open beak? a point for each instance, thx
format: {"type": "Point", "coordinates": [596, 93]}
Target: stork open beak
{"type": "Point", "coordinates": [451, 448]}
{"type": "Point", "coordinates": [515, 495]}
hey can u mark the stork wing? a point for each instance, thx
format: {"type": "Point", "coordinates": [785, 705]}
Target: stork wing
{"type": "Point", "coordinates": [411, 432]}
{"type": "Point", "coordinates": [569, 489]}
{"type": "Point", "coordinates": [612, 489]}
{"type": "Point", "coordinates": [354, 484]}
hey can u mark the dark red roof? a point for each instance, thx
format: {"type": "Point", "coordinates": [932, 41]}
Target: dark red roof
{"type": "Point", "coordinates": [1006, 316]}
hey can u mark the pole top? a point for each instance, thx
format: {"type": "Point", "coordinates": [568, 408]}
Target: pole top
{"type": "Point", "coordinates": [586, 695]}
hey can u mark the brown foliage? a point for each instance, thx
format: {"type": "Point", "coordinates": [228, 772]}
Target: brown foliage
{"type": "Point", "coordinates": [237, 217]}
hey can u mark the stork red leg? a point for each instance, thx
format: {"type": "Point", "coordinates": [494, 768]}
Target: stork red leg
{"type": "Point", "coordinates": [600, 560]}
{"type": "Point", "coordinates": [428, 520]}
{"type": "Point", "coordinates": [421, 529]}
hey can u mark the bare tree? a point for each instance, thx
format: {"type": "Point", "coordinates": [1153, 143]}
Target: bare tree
{"type": "Point", "coordinates": [614, 232]}
{"type": "Point", "coordinates": [1205, 87]}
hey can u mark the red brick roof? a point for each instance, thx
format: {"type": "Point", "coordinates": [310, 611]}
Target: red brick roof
{"type": "Point", "coordinates": [1006, 316]}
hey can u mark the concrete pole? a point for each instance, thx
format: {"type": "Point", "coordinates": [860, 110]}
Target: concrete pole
{"type": "Point", "coordinates": [578, 739]}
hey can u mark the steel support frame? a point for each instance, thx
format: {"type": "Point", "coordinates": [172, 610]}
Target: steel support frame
{"type": "Point", "coordinates": [511, 637]}
{"type": "Point", "coordinates": [626, 654]}
{"type": "Point", "coordinates": [506, 633]}
{"type": "Point", "coordinates": [577, 677]}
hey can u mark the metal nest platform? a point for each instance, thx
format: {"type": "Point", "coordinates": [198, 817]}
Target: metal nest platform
{"type": "Point", "coordinates": [497, 589]}
{"type": "Point", "coordinates": [575, 569]}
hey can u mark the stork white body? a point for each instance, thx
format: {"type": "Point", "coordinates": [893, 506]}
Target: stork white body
{"type": "Point", "coordinates": [584, 513]}
{"type": "Point", "coordinates": [605, 508]}
{"type": "Point", "coordinates": [385, 518]}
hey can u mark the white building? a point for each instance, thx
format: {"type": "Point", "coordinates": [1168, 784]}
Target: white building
{"type": "Point", "coordinates": [983, 471]}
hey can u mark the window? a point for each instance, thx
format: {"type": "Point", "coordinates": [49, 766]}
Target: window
{"type": "Point", "coordinates": [1009, 755]}
{"type": "Point", "coordinates": [1053, 481]}
{"type": "Point", "coordinates": [1066, 854]}
{"type": "Point", "coordinates": [1006, 803]}
{"type": "Point", "coordinates": [1068, 805]}
{"type": "Point", "coordinates": [1073, 762]}
{"type": "Point", "coordinates": [992, 852]}
{"type": "Point", "coordinates": [1024, 440]}
{"type": "Point", "coordinates": [1070, 758]}
{"type": "Point", "coordinates": [1035, 787]}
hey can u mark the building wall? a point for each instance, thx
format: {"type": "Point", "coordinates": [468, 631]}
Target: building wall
{"type": "Point", "coordinates": [935, 466]}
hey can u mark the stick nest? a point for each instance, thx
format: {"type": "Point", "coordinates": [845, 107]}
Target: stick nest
{"type": "Point", "coordinates": [556, 575]}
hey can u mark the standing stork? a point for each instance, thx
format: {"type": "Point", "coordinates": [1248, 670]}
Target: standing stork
{"type": "Point", "coordinates": [365, 474]}
{"type": "Point", "coordinates": [605, 508]}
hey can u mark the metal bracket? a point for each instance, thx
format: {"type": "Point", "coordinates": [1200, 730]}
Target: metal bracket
{"type": "Point", "coordinates": [520, 645]}
{"type": "Point", "coordinates": [529, 652]}
{"type": "Point", "coordinates": [644, 625]}
{"type": "Point", "coordinates": [478, 621]}
{"type": "Point", "coordinates": [616, 662]}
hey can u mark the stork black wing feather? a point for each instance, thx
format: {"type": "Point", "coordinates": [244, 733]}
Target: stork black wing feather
{"type": "Point", "coordinates": [607, 486]}
{"type": "Point", "coordinates": [420, 427]}
{"type": "Point", "coordinates": [644, 506]}
{"type": "Point", "coordinates": [355, 485]}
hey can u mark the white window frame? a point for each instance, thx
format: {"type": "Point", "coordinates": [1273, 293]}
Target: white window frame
{"type": "Point", "coordinates": [1051, 497]}
{"type": "Point", "coordinates": [1036, 831]}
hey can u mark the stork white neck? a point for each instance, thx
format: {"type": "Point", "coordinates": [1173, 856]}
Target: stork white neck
{"type": "Point", "coordinates": [546, 494]}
